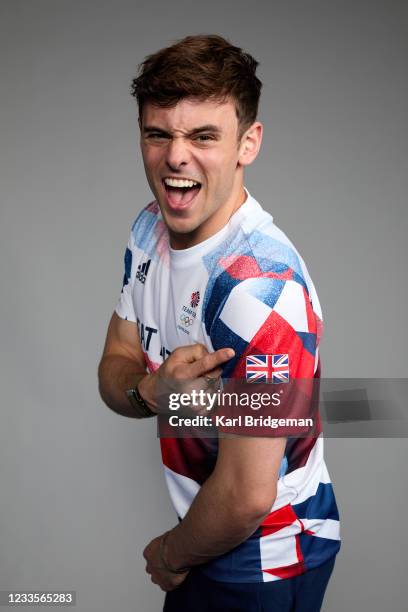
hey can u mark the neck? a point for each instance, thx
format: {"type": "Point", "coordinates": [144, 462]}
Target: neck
{"type": "Point", "coordinates": [210, 226]}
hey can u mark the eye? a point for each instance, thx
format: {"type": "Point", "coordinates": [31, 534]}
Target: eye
{"type": "Point", "coordinates": [204, 137]}
{"type": "Point", "coordinates": [156, 136]}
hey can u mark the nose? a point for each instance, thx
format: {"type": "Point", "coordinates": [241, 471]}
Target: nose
{"type": "Point", "coordinates": [177, 153]}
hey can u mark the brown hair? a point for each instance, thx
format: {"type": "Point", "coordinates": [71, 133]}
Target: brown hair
{"type": "Point", "coordinates": [205, 67]}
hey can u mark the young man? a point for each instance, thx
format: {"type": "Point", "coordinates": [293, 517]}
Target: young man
{"type": "Point", "coordinates": [210, 280]}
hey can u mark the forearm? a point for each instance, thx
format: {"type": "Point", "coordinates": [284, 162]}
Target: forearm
{"type": "Point", "coordinates": [116, 374]}
{"type": "Point", "coordinates": [217, 521]}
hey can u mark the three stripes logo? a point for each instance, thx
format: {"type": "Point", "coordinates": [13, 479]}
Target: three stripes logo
{"type": "Point", "coordinates": [142, 271]}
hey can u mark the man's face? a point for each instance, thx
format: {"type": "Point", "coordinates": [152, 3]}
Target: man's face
{"type": "Point", "coordinates": [193, 163]}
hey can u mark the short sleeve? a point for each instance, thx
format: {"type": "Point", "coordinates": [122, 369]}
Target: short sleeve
{"type": "Point", "coordinates": [271, 325]}
{"type": "Point", "coordinates": [268, 316]}
{"type": "Point", "coordinates": [124, 307]}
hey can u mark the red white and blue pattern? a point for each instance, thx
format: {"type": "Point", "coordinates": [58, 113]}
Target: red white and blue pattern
{"type": "Point", "coordinates": [267, 368]}
{"type": "Point", "coordinates": [259, 368]}
{"type": "Point", "coordinates": [258, 298]}
{"type": "Point", "coordinates": [280, 368]}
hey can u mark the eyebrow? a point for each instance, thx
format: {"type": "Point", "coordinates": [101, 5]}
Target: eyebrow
{"type": "Point", "coordinates": [203, 128]}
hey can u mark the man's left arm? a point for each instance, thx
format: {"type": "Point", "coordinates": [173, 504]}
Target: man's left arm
{"type": "Point", "coordinates": [229, 507]}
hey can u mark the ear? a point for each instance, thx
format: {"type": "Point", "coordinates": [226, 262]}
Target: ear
{"type": "Point", "coordinates": [250, 144]}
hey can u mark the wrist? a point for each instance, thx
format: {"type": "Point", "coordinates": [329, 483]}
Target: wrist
{"type": "Point", "coordinates": [140, 407]}
{"type": "Point", "coordinates": [164, 557]}
{"type": "Point", "coordinates": [146, 389]}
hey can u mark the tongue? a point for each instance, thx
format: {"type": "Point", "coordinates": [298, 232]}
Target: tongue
{"type": "Point", "coordinates": [180, 196]}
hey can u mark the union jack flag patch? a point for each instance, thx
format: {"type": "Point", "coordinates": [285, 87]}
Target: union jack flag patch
{"type": "Point", "coordinates": [267, 368]}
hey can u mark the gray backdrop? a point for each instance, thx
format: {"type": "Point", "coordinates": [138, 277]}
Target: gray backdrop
{"type": "Point", "coordinates": [82, 488]}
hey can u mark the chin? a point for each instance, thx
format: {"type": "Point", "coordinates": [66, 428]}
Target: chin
{"type": "Point", "coordinates": [179, 222]}
{"type": "Point", "coordinates": [182, 227]}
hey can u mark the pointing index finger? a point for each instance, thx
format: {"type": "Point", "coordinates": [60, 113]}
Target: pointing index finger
{"type": "Point", "coordinates": [211, 361]}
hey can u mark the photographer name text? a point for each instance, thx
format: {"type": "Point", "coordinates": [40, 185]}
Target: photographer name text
{"type": "Point", "coordinates": [238, 421]}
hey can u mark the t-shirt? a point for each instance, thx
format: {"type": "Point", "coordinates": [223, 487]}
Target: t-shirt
{"type": "Point", "coordinates": [246, 287]}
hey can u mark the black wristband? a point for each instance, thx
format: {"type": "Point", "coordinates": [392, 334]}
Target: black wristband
{"type": "Point", "coordinates": [138, 404]}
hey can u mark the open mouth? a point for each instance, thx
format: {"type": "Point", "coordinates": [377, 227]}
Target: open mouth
{"type": "Point", "coordinates": [180, 192]}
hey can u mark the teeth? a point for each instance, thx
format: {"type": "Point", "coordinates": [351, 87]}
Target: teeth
{"type": "Point", "coordinates": [172, 182]}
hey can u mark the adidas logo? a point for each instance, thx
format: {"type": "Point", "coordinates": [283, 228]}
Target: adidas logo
{"type": "Point", "coordinates": [142, 271]}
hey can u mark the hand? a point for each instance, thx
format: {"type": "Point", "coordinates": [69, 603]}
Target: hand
{"type": "Point", "coordinates": [187, 369]}
{"type": "Point", "coordinates": [166, 580]}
